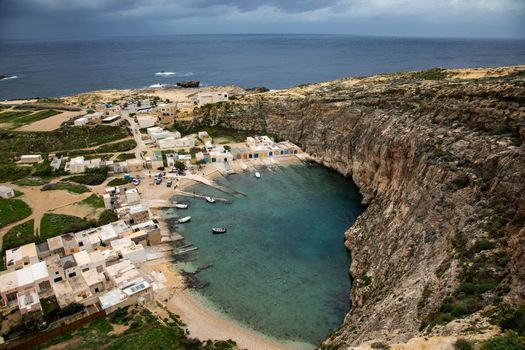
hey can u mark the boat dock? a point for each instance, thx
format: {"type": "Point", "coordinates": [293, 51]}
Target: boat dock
{"type": "Point", "coordinates": [198, 196]}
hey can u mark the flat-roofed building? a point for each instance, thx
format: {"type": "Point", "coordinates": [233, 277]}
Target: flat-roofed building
{"type": "Point", "coordinates": [20, 257]}
{"type": "Point", "coordinates": [30, 158]}
{"type": "Point", "coordinates": [75, 165]}
{"type": "Point", "coordinates": [29, 305]}
{"type": "Point", "coordinates": [204, 98]}
{"type": "Point", "coordinates": [32, 276]}
{"type": "Point", "coordinates": [146, 120]}
{"type": "Point", "coordinates": [6, 192]}
{"type": "Point", "coordinates": [94, 280]}
{"type": "Point", "coordinates": [135, 165]}
{"type": "Point", "coordinates": [121, 272]}
{"type": "Point", "coordinates": [72, 290]}
{"type": "Point", "coordinates": [129, 250]}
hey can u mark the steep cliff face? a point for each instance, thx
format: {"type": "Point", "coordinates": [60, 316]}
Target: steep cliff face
{"type": "Point", "coordinates": [440, 161]}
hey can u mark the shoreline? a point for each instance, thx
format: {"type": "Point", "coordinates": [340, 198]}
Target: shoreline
{"type": "Point", "coordinates": [206, 322]}
{"type": "Point", "coordinates": [202, 319]}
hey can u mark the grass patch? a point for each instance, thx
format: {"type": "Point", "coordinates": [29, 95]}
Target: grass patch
{"type": "Point", "coordinates": [431, 74]}
{"type": "Point", "coordinates": [67, 186]}
{"type": "Point", "coordinates": [12, 210]}
{"type": "Point", "coordinates": [11, 172]}
{"type": "Point", "coordinates": [31, 118]}
{"type": "Point", "coordinates": [91, 177]}
{"type": "Point", "coordinates": [53, 225]}
{"type": "Point", "coordinates": [125, 156]}
{"type": "Point", "coordinates": [19, 235]}
{"type": "Point", "coordinates": [32, 181]}
{"type": "Point", "coordinates": [145, 332]}
{"type": "Point", "coordinates": [15, 143]}
{"type": "Point", "coordinates": [122, 146]}
{"type": "Point", "coordinates": [106, 217]}
{"type": "Point", "coordinates": [119, 182]}
{"type": "Point", "coordinates": [10, 116]}
{"type": "Point", "coordinates": [94, 201]}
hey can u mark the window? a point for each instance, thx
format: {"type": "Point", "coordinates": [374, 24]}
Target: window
{"type": "Point", "coordinates": [85, 269]}
{"type": "Point", "coordinates": [80, 244]}
{"type": "Point", "coordinates": [96, 290]}
{"type": "Point", "coordinates": [58, 279]}
{"type": "Point", "coordinates": [72, 274]}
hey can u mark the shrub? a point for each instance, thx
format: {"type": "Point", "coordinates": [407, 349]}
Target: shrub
{"type": "Point", "coordinates": [108, 216]}
{"type": "Point", "coordinates": [119, 182]}
{"type": "Point", "coordinates": [508, 341]}
{"type": "Point", "coordinates": [483, 244]}
{"type": "Point", "coordinates": [463, 344]}
{"type": "Point", "coordinates": [91, 176]}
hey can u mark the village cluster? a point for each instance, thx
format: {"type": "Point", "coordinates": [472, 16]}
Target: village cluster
{"type": "Point", "coordinates": [100, 267]}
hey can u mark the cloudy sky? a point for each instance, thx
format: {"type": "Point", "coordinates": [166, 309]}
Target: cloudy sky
{"type": "Point", "coordinates": [56, 19]}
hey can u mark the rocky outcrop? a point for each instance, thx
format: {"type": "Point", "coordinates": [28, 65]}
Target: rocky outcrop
{"type": "Point", "coordinates": [440, 162]}
{"type": "Point", "coordinates": [188, 84]}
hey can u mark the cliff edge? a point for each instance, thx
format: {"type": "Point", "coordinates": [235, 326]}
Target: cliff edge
{"type": "Point", "coordinates": [439, 158]}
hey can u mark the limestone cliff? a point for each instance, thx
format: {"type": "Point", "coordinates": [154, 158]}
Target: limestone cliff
{"type": "Point", "coordinates": [439, 158]}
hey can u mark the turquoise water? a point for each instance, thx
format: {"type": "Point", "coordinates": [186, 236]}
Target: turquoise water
{"type": "Point", "coordinates": [282, 268]}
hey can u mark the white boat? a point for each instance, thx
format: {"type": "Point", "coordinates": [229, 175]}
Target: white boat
{"type": "Point", "coordinates": [257, 175]}
{"type": "Point", "coordinates": [219, 230]}
{"type": "Point", "coordinates": [181, 206]}
{"type": "Point", "coordinates": [184, 219]}
{"type": "Point", "coordinates": [210, 199]}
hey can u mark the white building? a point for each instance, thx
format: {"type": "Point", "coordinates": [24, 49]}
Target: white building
{"type": "Point", "coordinates": [81, 121]}
{"type": "Point", "coordinates": [6, 192]}
{"type": "Point", "coordinates": [146, 120]}
{"type": "Point", "coordinates": [20, 257]}
{"type": "Point", "coordinates": [30, 158]}
{"type": "Point", "coordinates": [76, 165]}
{"type": "Point", "coordinates": [185, 142]}
{"type": "Point", "coordinates": [129, 250]}
{"type": "Point", "coordinates": [132, 196]}
{"type": "Point", "coordinates": [204, 98]}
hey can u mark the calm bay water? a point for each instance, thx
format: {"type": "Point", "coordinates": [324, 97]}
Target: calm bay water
{"type": "Point", "coordinates": [58, 68]}
{"type": "Point", "coordinates": [282, 268]}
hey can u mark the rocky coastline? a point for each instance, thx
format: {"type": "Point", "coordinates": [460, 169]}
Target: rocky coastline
{"type": "Point", "coordinates": [438, 157]}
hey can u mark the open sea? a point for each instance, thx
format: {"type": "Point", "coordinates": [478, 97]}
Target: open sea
{"type": "Point", "coordinates": [59, 68]}
{"type": "Point", "coordinates": [282, 268]}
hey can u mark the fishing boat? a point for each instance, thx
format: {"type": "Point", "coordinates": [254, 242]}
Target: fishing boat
{"type": "Point", "coordinates": [210, 199]}
{"type": "Point", "coordinates": [257, 175]}
{"type": "Point", "coordinates": [184, 219]}
{"type": "Point", "coordinates": [218, 230]}
{"type": "Point", "coordinates": [181, 206]}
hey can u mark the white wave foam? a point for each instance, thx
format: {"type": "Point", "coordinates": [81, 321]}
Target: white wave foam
{"type": "Point", "coordinates": [185, 74]}
{"type": "Point", "coordinates": [164, 74]}
{"type": "Point", "coordinates": [159, 85]}
{"type": "Point", "coordinates": [11, 77]}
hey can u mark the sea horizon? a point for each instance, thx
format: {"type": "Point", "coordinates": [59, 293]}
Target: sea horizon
{"type": "Point", "coordinates": [275, 61]}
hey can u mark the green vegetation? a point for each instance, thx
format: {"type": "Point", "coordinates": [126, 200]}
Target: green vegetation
{"type": "Point", "coordinates": [431, 74]}
{"type": "Point", "coordinates": [125, 156]}
{"type": "Point", "coordinates": [9, 116]}
{"type": "Point", "coordinates": [15, 143]}
{"type": "Point", "coordinates": [119, 181]}
{"type": "Point", "coordinates": [180, 166]}
{"type": "Point", "coordinates": [11, 172]}
{"type": "Point", "coordinates": [145, 331]}
{"type": "Point", "coordinates": [91, 176]}
{"type": "Point", "coordinates": [223, 135]}
{"type": "Point", "coordinates": [94, 201]}
{"type": "Point", "coordinates": [19, 235]}
{"type": "Point", "coordinates": [32, 181]}
{"type": "Point", "coordinates": [12, 210]}
{"type": "Point", "coordinates": [508, 341]}
{"type": "Point", "coordinates": [53, 312]}
{"type": "Point", "coordinates": [121, 146]}
{"type": "Point", "coordinates": [108, 216]}
{"type": "Point", "coordinates": [67, 186]}
{"type": "Point", "coordinates": [463, 344]}
{"type": "Point", "coordinates": [53, 225]}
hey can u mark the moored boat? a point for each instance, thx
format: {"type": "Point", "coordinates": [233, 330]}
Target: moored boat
{"type": "Point", "coordinates": [219, 230]}
{"type": "Point", "coordinates": [210, 199]}
{"type": "Point", "coordinates": [184, 219]}
{"type": "Point", "coordinates": [181, 206]}
{"type": "Point", "coordinates": [257, 175]}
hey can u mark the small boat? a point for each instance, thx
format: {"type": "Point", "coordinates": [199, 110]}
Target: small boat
{"type": "Point", "coordinates": [210, 199]}
{"type": "Point", "coordinates": [257, 175]}
{"type": "Point", "coordinates": [184, 219]}
{"type": "Point", "coordinates": [219, 230]}
{"type": "Point", "coordinates": [181, 206]}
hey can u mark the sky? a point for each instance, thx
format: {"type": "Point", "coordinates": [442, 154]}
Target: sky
{"type": "Point", "coordinates": [89, 19]}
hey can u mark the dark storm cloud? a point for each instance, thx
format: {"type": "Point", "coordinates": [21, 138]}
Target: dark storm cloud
{"type": "Point", "coordinates": [19, 18]}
